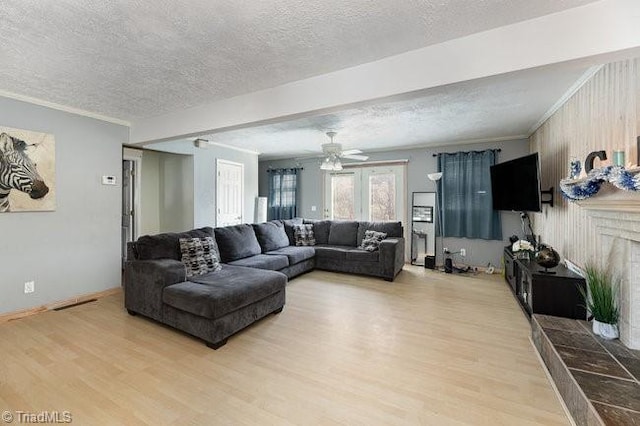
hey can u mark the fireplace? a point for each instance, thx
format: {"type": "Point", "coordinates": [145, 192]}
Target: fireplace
{"type": "Point", "coordinates": [615, 216]}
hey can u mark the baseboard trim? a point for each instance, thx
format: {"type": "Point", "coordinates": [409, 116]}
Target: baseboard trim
{"type": "Point", "coordinates": [11, 316]}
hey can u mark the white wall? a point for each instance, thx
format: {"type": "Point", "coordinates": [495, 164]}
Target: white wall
{"type": "Point", "coordinates": [421, 162]}
{"type": "Point", "coordinates": [75, 249]}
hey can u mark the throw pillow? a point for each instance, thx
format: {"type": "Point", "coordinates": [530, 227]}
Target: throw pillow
{"type": "Point", "coordinates": [199, 255]}
{"type": "Point", "coordinates": [372, 239]}
{"type": "Point", "coordinates": [303, 235]}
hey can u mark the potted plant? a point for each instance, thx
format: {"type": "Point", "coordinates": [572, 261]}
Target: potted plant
{"type": "Point", "coordinates": [601, 299]}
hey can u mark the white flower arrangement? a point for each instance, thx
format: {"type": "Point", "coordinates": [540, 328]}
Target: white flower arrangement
{"type": "Point", "coordinates": [523, 249]}
{"type": "Point", "coordinates": [522, 245]}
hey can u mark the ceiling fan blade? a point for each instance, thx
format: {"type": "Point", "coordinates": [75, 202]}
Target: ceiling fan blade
{"type": "Point", "coordinates": [351, 152]}
{"type": "Point", "coordinates": [355, 157]}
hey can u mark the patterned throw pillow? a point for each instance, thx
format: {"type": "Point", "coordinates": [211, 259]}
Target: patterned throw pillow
{"type": "Point", "coordinates": [372, 239]}
{"type": "Point", "coordinates": [200, 255]}
{"type": "Point", "coordinates": [303, 235]}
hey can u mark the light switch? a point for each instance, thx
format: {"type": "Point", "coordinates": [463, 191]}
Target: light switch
{"type": "Point", "coordinates": [108, 180]}
{"type": "Point", "coordinates": [313, 208]}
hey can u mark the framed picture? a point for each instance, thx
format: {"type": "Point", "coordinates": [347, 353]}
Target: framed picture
{"type": "Point", "coordinates": [27, 171]}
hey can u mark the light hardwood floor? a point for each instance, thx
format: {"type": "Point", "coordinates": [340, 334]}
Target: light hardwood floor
{"type": "Point", "coordinates": [430, 348]}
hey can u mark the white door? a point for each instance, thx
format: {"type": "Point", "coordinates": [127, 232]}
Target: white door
{"type": "Point", "coordinates": [366, 193]}
{"type": "Point", "coordinates": [341, 202]}
{"type": "Point", "coordinates": [230, 193]}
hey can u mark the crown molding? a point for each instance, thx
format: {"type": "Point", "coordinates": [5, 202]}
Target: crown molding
{"type": "Point", "coordinates": [64, 108]}
{"type": "Point", "coordinates": [584, 78]}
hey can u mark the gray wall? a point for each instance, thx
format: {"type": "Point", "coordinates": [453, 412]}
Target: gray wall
{"type": "Point", "coordinates": [75, 249]}
{"type": "Point", "coordinates": [176, 192]}
{"type": "Point", "coordinates": [204, 173]}
{"type": "Point", "coordinates": [421, 162]}
{"type": "Point", "coordinates": [150, 193]}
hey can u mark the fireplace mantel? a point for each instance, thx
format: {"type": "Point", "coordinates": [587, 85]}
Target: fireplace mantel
{"type": "Point", "coordinates": [612, 199]}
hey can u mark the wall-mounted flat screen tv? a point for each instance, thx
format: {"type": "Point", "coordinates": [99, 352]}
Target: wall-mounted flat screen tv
{"type": "Point", "coordinates": [515, 184]}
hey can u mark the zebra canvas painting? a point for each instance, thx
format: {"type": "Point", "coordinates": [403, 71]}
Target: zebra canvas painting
{"type": "Point", "coordinates": [27, 171]}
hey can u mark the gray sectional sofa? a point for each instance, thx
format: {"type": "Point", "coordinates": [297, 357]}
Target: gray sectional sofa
{"type": "Point", "coordinates": [257, 261]}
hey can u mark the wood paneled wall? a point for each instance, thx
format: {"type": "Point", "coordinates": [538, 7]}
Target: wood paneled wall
{"type": "Point", "coordinates": [603, 115]}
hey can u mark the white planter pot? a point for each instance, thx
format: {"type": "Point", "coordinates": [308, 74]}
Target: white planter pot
{"type": "Point", "coordinates": [606, 331]}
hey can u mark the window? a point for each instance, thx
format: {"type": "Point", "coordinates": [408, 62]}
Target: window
{"type": "Point", "coordinates": [465, 195]}
{"type": "Point", "coordinates": [283, 191]}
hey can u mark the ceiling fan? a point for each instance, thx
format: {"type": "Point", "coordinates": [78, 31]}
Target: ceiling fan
{"type": "Point", "coordinates": [334, 153]}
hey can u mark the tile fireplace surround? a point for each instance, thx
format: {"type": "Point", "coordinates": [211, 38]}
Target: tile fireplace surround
{"type": "Point", "coordinates": [615, 216]}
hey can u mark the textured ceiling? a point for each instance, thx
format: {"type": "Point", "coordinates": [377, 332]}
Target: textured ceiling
{"type": "Point", "coordinates": [492, 108]}
{"type": "Point", "coordinates": [132, 59]}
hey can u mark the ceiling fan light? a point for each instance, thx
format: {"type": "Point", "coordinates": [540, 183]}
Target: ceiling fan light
{"type": "Point", "coordinates": [327, 164]}
{"type": "Point", "coordinates": [337, 165]}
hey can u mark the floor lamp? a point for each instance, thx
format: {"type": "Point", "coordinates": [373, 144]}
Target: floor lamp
{"type": "Point", "coordinates": [435, 177]}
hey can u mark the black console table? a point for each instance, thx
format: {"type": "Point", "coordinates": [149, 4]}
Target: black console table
{"type": "Point", "coordinates": [537, 292]}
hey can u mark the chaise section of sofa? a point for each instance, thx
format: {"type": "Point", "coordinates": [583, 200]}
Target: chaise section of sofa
{"type": "Point", "coordinates": [212, 306]}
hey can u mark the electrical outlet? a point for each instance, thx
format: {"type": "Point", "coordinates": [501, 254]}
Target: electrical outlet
{"type": "Point", "coordinates": [29, 287]}
{"type": "Point", "coordinates": [463, 252]}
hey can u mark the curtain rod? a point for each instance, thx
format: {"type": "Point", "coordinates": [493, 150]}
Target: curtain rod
{"type": "Point", "coordinates": [272, 169]}
{"type": "Point", "coordinates": [467, 152]}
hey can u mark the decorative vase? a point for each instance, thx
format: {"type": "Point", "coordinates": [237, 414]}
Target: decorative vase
{"type": "Point", "coordinates": [574, 169]}
{"type": "Point", "coordinates": [547, 257]}
{"type": "Point", "coordinates": [606, 331]}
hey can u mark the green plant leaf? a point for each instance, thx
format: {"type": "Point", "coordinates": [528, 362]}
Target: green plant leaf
{"type": "Point", "coordinates": [601, 298]}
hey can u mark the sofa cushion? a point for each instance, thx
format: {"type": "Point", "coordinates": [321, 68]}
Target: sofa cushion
{"type": "Point", "coordinates": [333, 252]}
{"type": "Point", "coordinates": [343, 233]}
{"type": "Point", "coordinates": [303, 235]}
{"type": "Point", "coordinates": [320, 230]}
{"type": "Point", "coordinates": [167, 245]}
{"type": "Point", "coordinates": [216, 294]}
{"type": "Point", "coordinates": [360, 255]}
{"type": "Point", "coordinates": [199, 255]}
{"type": "Point", "coordinates": [288, 228]}
{"type": "Point", "coordinates": [271, 235]}
{"type": "Point", "coordinates": [295, 254]}
{"type": "Point", "coordinates": [237, 242]}
{"type": "Point", "coordinates": [371, 240]}
{"type": "Point", "coordinates": [392, 229]}
{"type": "Point", "coordinates": [263, 261]}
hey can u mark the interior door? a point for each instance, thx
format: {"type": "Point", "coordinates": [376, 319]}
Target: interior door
{"type": "Point", "coordinates": [128, 197]}
{"type": "Point", "coordinates": [230, 193]}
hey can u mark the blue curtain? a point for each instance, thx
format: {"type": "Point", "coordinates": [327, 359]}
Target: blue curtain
{"type": "Point", "coordinates": [465, 195]}
{"type": "Point", "coordinates": [283, 192]}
